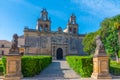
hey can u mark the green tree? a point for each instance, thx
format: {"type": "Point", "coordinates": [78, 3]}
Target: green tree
{"type": "Point", "coordinates": [89, 42]}
{"type": "Point", "coordinates": [110, 34]}
{"type": "Point", "coordinates": [111, 44]}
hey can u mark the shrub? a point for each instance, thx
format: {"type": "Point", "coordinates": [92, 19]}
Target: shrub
{"type": "Point", "coordinates": [1, 66]}
{"type": "Point", "coordinates": [32, 65]}
{"type": "Point", "coordinates": [114, 68]}
{"type": "Point", "coordinates": [4, 64]}
{"type": "Point", "coordinates": [0, 62]}
{"type": "Point", "coordinates": [83, 65]}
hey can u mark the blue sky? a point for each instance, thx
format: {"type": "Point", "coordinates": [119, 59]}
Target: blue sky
{"type": "Point", "coordinates": [16, 14]}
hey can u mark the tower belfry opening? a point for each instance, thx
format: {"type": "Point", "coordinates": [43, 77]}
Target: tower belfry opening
{"type": "Point", "coordinates": [43, 24]}
{"type": "Point", "coordinates": [72, 26]}
{"type": "Point", "coordinates": [72, 19]}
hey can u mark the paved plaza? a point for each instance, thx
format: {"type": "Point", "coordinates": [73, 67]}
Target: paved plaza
{"type": "Point", "coordinates": [58, 70]}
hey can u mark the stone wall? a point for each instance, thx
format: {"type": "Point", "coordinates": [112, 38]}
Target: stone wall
{"type": "Point", "coordinates": [4, 47]}
{"type": "Point", "coordinates": [48, 43]}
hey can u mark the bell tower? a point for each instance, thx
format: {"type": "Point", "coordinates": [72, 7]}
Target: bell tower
{"type": "Point", "coordinates": [43, 23]}
{"type": "Point", "coordinates": [72, 25]}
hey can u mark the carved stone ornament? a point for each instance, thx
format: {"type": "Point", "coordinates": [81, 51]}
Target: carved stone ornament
{"type": "Point", "coordinates": [14, 48]}
{"type": "Point", "coordinates": [100, 50]}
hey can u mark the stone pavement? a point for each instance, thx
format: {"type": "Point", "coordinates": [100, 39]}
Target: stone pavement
{"type": "Point", "coordinates": [58, 70]}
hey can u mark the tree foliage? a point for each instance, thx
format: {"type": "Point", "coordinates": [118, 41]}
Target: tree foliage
{"type": "Point", "coordinates": [111, 43]}
{"type": "Point", "coordinates": [109, 34]}
{"type": "Point", "coordinates": [89, 42]}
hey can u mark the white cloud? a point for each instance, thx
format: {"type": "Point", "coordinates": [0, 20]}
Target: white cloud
{"type": "Point", "coordinates": [101, 8]}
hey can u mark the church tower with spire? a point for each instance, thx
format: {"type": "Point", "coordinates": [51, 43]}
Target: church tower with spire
{"type": "Point", "coordinates": [43, 23]}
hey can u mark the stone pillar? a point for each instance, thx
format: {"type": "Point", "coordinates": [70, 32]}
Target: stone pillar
{"type": "Point", "coordinates": [13, 67]}
{"type": "Point", "coordinates": [101, 68]}
{"type": "Point", "coordinates": [100, 62]}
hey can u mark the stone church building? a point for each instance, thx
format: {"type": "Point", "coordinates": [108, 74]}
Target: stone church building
{"type": "Point", "coordinates": [43, 41]}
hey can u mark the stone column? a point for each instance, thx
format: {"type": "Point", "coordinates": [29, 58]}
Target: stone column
{"type": "Point", "coordinates": [13, 67]}
{"type": "Point", "coordinates": [100, 62]}
{"type": "Point", "coordinates": [13, 61]}
{"type": "Point", "coordinates": [101, 68]}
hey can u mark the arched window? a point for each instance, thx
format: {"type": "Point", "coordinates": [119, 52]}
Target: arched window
{"type": "Point", "coordinates": [46, 28]}
{"type": "Point", "coordinates": [40, 28]}
{"type": "Point", "coordinates": [74, 30]}
{"type": "Point", "coordinates": [73, 21]}
{"type": "Point", "coordinates": [2, 45]}
{"type": "Point", "coordinates": [70, 30]}
{"type": "Point", "coordinates": [44, 17]}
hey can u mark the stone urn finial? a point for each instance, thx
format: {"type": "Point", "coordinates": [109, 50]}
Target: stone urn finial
{"type": "Point", "coordinates": [100, 50]}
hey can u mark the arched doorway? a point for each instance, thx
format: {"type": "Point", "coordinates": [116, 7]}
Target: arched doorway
{"type": "Point", "coordinates": [59, 54]}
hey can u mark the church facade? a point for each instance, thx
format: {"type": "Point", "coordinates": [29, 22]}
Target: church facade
{"type": "Point", "coordinates": [60, 43]}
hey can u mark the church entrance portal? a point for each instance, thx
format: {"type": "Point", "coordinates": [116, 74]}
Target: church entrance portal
{"type": "Point", "coordinates": [59, 54]}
